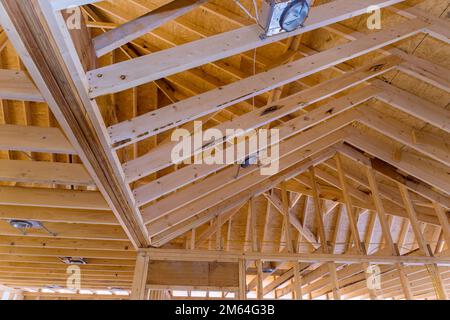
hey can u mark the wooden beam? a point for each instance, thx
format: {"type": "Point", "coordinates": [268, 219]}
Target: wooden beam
{"type": "Point", "coordinates": [423, 246]}
{"type": "Point", "coordinates": [67, 4]}
{"type": "Point", "coordinates": [303, 230]}
{"type": "Point", "coordinates": [242, 293]}
{"type": "Point", "coordinates": [427, 170]}
{"type": "Point", "coordinates": [286, 218]}
{"type": "Point", "coordinates": [429, 144]}
{"type": "Point", "coordinates": [140, 277]}
{"type": "Point", "coordinates": [61, 273]}
{"type": "Point", "coordinates": [57, 215]}
{"type": "Point", "coordinates": [391, 173]}
{"type": "Point", "coordinates": [255, 245]}
{"type": "Point", "coordinates": [406, 285]}
{"type": "Point", "coordinates": [34, 139]}
{"type": "Point", "coordinates": [279, 281]}
{"type": "Point", "coordinates": [198, 220]}
{"type": "Point", "coordinates": [62, 243]}
{"type": "Point", "coordinates": [60, 252]}
{"type": "Point", "coordinates": [227, 176]}
{"type": "Point", "coordinates": [193, 275]}
{"type": "Point", "coordinates": [439, 28]}
{"type": "Point", "coordinates": [205, 235]}
{"type": "Point", "coordinates": [419, 68]}
{"type": "Point", "coordinates": [348, 204]}
{"type": "Point", "coordinates": [212, 101]}
{"type": "Point", "coordinates": [3, 39]}
{"type": "Point", "coordinates": [184, 176]}
{"type": "Point", "coordinates": [234, 256]}
{"type": "Point", "coordinates": [443, 219]}
{"type": "Point", "coordinates": [52, 261]}
{"type": "Point", "coordinates": [387, 231]}
{"type": "Point", "coordinates": [57, 267]}
{"type": "Point", "coordinates": [260, 278]}
{"type": "Point", "coordinates": [165, 221]}
{"type": "Point", "coordinates": [130, 74]}
{"type": "Point", "coordinates": [68, 231]}
{"type": "Point", "coordinates": [50, 55]}
{"type": "Point", "coordinates": [160, 157]}
{"type": "Point", "coordinates": [144, 48]}
{"type": "Point", "coordinates": [133, 29]}
{"type": "Point", "coordinates": [52, 198]}
{"type": "Point", "coordinates": [322, 235]}
{"type": "Point", "coordinates": [352, 219]}
{"type": "Point", "coordinates": [72, 296]}
{"type": "Point", "coordinates": [91, 285]}
{"type": "Point", "coordinates": [380, 209]}
{"type": "Point", "coordinates": [15, 85]}
{"type": "Point", "coordinates": [44, 172]}
{"type": "Point", "coordinates": [297, 283]}
{"type": "Point", "coordinates": [413, 105]}
{"type": "Point", "coordinates": [248, 227]}
{"type": "Point", "coordinates": [240, 198]}
{"type": "Point", "coordinates": [391, 200]}
{"type": "Point", "coordinates": [303, 185]}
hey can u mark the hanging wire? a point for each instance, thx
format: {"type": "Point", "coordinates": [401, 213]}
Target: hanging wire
{"type": "Point", "coordinates": [256, 18]}
{"type": "Point", "coordinates": [49, 232]}
{"type": "Point", "coordinates": [255, 6]}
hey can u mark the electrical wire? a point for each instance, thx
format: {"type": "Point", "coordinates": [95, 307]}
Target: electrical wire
{"type": "Point", "coordinates": [256, 18]}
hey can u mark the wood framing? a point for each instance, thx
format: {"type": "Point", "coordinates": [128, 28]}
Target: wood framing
{"type": "Point", "coordinates": [69, 103]}
{"type": "Point", "coordinates": [136, 139]}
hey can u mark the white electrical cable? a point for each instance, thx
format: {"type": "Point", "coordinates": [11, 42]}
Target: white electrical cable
{"type": "Point", "coordinates": [256, 17]}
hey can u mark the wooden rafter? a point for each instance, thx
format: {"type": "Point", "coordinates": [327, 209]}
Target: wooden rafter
{"type": "Point", "coordinates": [131, 30]}
{"type": "Point", "coordinates": [95, 167]}
{"type": "Point", "coordinates": [234, 256]}
{"type": "Point", "coordinates": [69, 103]}
{"type": "Point", "coordinates": [215, 48]}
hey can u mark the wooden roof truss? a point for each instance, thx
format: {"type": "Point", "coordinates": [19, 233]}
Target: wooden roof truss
{"type": "Point", "coordinates": [364, 124]}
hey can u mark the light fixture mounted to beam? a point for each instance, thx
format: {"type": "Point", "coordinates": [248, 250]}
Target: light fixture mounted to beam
{"type": "Point", "coordinates": [279, 16]}
{"type": "Point", "coordinates": [25, 225]}
{"type": "Point", "coordinates": [74, 261]}
{"type": "Point", "coordinates": [53, 287]}
{"type": "Point", "coordinates": [247, 162]}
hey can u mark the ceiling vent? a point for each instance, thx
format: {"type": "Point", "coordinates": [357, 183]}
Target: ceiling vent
{"type": "Point", "coordinates": [74, 261]}
{"type": "Point", "coordinates": [278, 16]}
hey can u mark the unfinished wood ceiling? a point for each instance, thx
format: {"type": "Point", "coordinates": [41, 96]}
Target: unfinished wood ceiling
{"type": "Point", "coordinates": [86, 117]}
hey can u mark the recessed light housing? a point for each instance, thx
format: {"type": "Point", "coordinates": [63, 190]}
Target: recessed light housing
{"type": "Point", "coordinates": [25, 225]}
{"type": "Point", "coordinates": [73, 261]}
